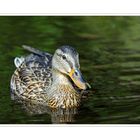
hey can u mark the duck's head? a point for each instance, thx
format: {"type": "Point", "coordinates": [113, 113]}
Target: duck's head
{"type": "Point", "coordinates": [66, 61]}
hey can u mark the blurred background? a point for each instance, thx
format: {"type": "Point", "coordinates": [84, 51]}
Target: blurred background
{"type": "Point", "coordinates": [109, 50]}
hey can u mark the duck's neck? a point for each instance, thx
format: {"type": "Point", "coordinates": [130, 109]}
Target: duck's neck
{"type": "Point", "coordinates": [62, 94]}
{"type": "Point", "coordinates": [60, 79]}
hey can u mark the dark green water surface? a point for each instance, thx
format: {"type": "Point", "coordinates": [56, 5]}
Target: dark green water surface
{"type": "Point", "coordinates": [109, 49]}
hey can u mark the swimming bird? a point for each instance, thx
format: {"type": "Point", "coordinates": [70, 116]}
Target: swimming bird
{"type": "Point", "coordinates": [48, 79]}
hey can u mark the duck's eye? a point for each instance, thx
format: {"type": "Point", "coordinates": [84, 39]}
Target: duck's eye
{"type": "Point", "coordinates": [64, 57]}
{"type": "Point", "coordinates": [76, 73]}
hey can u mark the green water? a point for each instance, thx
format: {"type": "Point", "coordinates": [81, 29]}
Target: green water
{"type": "Point", "coordinates": [109, 49]}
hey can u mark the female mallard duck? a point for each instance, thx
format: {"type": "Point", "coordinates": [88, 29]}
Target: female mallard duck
{"type": "Point", "coordinates": [46, 79]}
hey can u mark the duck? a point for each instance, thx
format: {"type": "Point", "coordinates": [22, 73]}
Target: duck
{"type": "Point", "coordinates": [52, 80]}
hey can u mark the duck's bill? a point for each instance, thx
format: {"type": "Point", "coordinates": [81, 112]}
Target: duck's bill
{"type": "Point", "coordinates": [77, 78]}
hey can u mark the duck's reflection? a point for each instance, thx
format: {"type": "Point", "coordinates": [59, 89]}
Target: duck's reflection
{"type": "Point", "coordinates": [58, 115]}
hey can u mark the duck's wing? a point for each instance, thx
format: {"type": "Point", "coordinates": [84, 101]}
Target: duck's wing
{"type": "Point", "coordinates": [33, 74]}
{"type": "Point", "coordinates": [36, 51]}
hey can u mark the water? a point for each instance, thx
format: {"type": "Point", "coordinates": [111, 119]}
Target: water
{"type": "Point", "coordinates": [109, 50]}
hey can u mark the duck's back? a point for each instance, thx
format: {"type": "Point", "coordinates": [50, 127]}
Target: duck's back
{"type": "Point", "coordinates": [32, 76]}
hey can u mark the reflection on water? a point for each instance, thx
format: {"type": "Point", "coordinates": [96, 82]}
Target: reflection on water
{"type": "Point", "coordinates": [58, 115]}
{"type": "Point", "coordinates": [106, 110]}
